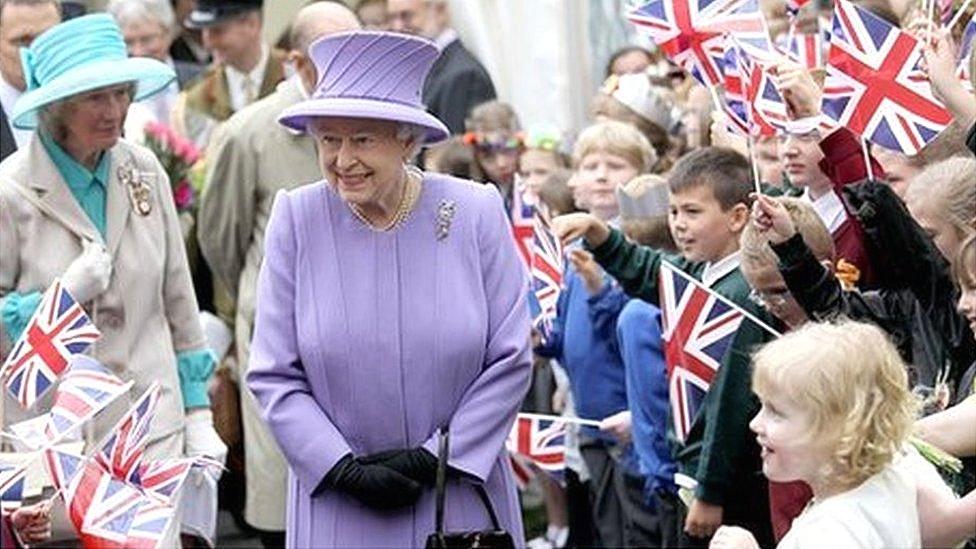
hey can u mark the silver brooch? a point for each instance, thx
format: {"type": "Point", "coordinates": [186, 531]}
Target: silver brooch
{"type": "Point", "coordinates": [138, 184]}
{"type": "Point", "coordinates": [445, 215]}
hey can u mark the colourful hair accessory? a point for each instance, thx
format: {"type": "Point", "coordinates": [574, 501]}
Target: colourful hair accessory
{"type": "Point", "coordinates": [546, 140]}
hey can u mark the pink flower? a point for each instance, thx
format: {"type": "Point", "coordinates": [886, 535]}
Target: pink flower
{"type": "Point", "coordinates": [156, 129]}
{"type": "Point", "coordinates": [183, 195]}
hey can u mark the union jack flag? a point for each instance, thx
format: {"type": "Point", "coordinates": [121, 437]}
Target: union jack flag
{"type": "Point", "coordinates": [808, 49]}
{"type": "Point", "coordinates": [122, 451]}
{"type": "Point", "coordinates": [735, 107]}
{"type": "Point", "coordinates": [12, 479]}
{"type": "Point", "coordinates": [63, 467]}
{"type": "Point", "coordinates": [767, 110]}
{"type": "Point", "coordinates": [698, 328]}
{"type": "Point", "coordinates": [86, 389]}
{"type": "Point", "coordinates": [59, 329]}
{"type": "Point", "coordinates": [162, 479]}
{"type": "Point", "coordinates": [523, 227]}
{"type": "Point", "coordinates": [540, 441]}
{"type": "Point", "coordinates": [690, 32]}
{"type": "Point", "coordinates": [875, 84]}
{"type": "Point", "coordinates": [522, 470]}
{"type": "Point", "coordinates": [547, 270]}
{"type": "Point", "coordinates": [101, 507]}
{"type": "Point", "coordinates": [149, 525]}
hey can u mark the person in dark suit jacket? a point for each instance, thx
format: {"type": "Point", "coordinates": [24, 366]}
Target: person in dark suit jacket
{"type": "Point", "coordinates": [458, 81]}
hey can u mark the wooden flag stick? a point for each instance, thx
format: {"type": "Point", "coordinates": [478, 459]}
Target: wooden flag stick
{"type": "Point", "coordinates": [867, 159]}
{"type": "Point", "coordinates": [756, 184]}
{"type": "Point", "coordinates": [565, 419]}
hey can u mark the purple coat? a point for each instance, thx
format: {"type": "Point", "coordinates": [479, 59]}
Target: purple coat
{"type": "Point", "coordinates": [367, 341]}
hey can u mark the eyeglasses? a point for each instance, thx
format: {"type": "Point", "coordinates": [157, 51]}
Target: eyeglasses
{"type": "Point", "coordinates": [770, 298]}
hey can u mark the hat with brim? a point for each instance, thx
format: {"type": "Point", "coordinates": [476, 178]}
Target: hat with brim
{"type": "Point", "coordinates": [208, 13]}
{"type": "Point", "coordinates": [78, 56]}
{"type": "Point", "coordinates": [372, 76]}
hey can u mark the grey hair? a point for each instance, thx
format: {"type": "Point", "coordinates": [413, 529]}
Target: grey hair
{"type": "Point", "coordinates": [413, 133]}
{"type": "Point", "coordinates": [131, 11]}
{"type": "Point", "coordinates": [50, 118]}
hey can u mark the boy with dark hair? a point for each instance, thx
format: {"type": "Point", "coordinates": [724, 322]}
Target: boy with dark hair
{"type": "Point", "coordinates": [718, 460]}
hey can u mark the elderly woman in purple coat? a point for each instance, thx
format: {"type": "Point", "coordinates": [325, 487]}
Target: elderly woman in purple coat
{"type": "Point", "coordinates": [391, 304]}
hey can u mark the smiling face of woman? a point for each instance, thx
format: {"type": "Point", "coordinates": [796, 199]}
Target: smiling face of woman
{"type": "Point", "coordinates": [362, 159]}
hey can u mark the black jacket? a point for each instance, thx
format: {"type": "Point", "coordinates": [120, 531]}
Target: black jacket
{"type": "Point", "coordinates": [917, 303]}
{"type": "Point", "coordinates": [456, 83]}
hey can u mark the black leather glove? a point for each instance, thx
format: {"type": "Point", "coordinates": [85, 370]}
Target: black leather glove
{"type": "Point", "coordinates": [416, 463]}
{"type": "Point", "coordinates": [374, 485]}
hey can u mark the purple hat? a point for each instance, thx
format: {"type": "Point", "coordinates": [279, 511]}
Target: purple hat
{"type": "Point", "coordinates": [371, 75]}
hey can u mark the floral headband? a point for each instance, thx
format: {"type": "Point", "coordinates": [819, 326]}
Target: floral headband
{"type": "Point", "coordinates": [484, 144]}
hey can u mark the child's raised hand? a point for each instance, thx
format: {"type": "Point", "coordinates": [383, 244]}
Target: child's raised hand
{"type": "Point", "coordinates": [722, 137]}
{"type": "Point", "coordinates": [588, 269]}
{"type": "Point", "coordinates": [771, 218]}
{"type": "Point", "coordinates": [572, 226]}
{"type": "Point", "coordinates": [940, 62]}
{"type": "Point", "coordinates": [800, 91]}
{"type": "Point", "coordinates": [733, 537]}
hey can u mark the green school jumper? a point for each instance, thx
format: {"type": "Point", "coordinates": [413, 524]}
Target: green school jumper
{"type": "Point", "coordinates": [720, 453]}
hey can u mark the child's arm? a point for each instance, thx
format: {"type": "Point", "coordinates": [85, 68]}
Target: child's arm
{"type": "Point", "coordinates": [952, 429]}
{"type": "Point", "coordinates": [945, 521]}
{"type": "Point", "coordinates": [635, 267]}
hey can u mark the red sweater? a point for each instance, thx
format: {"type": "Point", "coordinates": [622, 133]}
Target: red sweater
{"type": "Point", "coordinates": [843, 163]}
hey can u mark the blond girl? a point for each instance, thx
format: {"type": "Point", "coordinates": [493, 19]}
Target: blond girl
{"type": "Point", "coordinates": [836, 413]}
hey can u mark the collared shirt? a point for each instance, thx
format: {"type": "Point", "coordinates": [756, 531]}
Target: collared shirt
{"type": "Point", "coordinates": [8, 97]}
{"type": "Point", "coordinates": [829, 208]}
{"type": "Point", "coordinates": [236, 81]}
{"type": "Point", "coordinates": [716, 271]}
{"type": "Point", "coordinates": [87, 187]}
{"type": "Point", "coordinates": [445, 38]}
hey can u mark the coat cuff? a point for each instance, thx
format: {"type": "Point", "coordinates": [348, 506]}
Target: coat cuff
{"type": "Point", "coordinates": [195, 368]}
{"type": "Point", "coordinates": [605, 250]}
{"type": "Point", "coordinates": [711, 493]}
{"type": "Point", "coordinates": [17, 311]}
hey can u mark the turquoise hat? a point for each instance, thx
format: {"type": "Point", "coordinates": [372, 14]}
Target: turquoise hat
{"type": "Point", "coordinates": [77, 56]}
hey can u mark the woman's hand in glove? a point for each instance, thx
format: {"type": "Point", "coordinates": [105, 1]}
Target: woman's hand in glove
{"type": "Point", "coordinates": [415, 463]}
{"type": "Point", "coordinates": [89, 274]}
{"type": "Point", "coordinates": [375, 485]}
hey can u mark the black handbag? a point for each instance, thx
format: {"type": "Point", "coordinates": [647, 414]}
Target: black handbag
{"type": "Point", "coordinates": [494, 538]}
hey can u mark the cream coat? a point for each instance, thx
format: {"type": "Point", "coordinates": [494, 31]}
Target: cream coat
{"type": "Point", "coordinates": [252, 157]}
{"type": "Point", "coordinates": [149, 311]}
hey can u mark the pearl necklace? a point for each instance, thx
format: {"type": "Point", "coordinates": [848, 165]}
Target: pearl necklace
{"type": "Point", "coordinates": [411, 190]}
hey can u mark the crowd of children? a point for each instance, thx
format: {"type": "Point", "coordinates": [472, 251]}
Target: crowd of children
{"type": "Point", "coordinates": [858, 281]}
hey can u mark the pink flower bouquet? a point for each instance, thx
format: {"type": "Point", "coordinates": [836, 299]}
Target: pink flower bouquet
{"type": "Point", "coordinates": [177, 155]}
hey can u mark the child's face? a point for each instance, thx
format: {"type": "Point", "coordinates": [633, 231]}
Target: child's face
{"type": "Point", "coordinates": [600, 172]}
{"type": "Point", "coordinates": [498, 154]}
{"type": "Point", "coordinates": [789, 452]}
{"type": "Point", "coordinates": [701, 229]}
{"type": "Point", "coordinates": [898, 169]}
{"type": "Point", "coordinates": [535, 165]}
{"type": "Point", "coordinates": [769, 291]}
{"type": "Point", "coordinates": [944, 234]}
{"type": "Point", "coordinates": [802, 156]}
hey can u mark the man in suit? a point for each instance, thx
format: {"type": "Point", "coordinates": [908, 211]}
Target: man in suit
{"type": "Point", "coordinates": [245, 69]}
{"type": "Point", "coordinates": [252, 158]}
{"type": "Point", "coordinates": [457, 81]}
{"type": "Point", "coordinates": [20, 22]}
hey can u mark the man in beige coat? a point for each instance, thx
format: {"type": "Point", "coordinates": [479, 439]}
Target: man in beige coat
{"type": "Point", "coordinates": [253, 157]}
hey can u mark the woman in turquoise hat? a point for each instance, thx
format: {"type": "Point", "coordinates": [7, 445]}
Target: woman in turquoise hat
{"type": "Point", "coordinates": [82, 205]}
